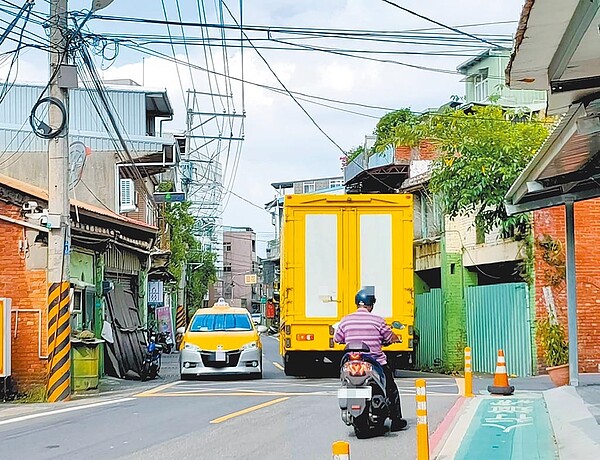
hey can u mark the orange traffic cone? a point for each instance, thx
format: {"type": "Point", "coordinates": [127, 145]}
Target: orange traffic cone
{"type": "Point", "coordinates": [501, 386]}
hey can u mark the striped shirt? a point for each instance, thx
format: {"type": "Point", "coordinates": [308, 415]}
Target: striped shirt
{"type": "Point", "coordinates": [364, 326]}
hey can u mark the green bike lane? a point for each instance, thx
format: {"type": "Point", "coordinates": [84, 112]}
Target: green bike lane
{"type": "Point", "coordinates": [502, 428]}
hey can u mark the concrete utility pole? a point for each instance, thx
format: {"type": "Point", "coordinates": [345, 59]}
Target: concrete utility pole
{"type": "Point", "coordinates": [59, 238]}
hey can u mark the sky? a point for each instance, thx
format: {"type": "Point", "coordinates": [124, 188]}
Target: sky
{"type": "Point", "coordinates": [281, 142]}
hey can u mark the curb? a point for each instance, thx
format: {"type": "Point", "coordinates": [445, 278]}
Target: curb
{"type": "Point", "coordinates": [443, 430]}
{"type": "Point", "coordinates": [576, 431]}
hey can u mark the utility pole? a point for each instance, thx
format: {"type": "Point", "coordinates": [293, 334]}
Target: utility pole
{"type": "Point", "coordinates": [59, 238]}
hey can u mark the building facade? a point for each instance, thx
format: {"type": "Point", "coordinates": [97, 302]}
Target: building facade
{"type": "Point", "coordinates": [240, 267]}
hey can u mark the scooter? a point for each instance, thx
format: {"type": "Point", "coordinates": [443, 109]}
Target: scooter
{"type": "Point", "coordinates": [164, 339]}
{"type": "Point", "coordinates": [152, 359]}
{"type": "Point", "coordinates": [362, 398]}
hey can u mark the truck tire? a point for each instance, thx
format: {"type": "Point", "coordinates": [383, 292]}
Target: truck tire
{"type": "Point", "coordinates": [291, 366]}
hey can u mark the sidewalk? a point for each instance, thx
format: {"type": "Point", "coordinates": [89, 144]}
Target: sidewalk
{"type": "Point", "coordinates": [537, 422]}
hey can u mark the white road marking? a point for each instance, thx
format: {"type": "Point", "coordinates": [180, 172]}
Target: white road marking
{"type": "Point", "coordinates": [278, 366]}
{"type": "Point", "coordinates": [63, 411]}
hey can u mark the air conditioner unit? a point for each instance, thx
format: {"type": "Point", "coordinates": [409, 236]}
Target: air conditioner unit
{"type": "Point", "coordinates": [127, 195]}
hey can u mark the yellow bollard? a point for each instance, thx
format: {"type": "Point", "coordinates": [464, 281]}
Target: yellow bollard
{"type": "Point", "coordinates": [468, 374]}
{"type": "Point", "coordinates": [340, 450]}
{"type": "Point", "coordinates": [422, 427]}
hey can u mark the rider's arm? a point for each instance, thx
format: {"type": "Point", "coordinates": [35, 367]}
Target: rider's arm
{"type": "Point", "coordinates": [387, 335]}
{"type": "Point", "coordinates": [340, 335]}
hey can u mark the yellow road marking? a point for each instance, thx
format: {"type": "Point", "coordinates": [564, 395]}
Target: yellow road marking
{"type": "Point", "coordinates": [247, 410]}
{"type": "Point", "coordinates": [278, 366]}
{"type": "Point", "coordinates": [157, 389]}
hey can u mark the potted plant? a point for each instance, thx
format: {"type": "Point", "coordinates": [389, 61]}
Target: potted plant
{"type": "Point", "coordinates": [552, 339]}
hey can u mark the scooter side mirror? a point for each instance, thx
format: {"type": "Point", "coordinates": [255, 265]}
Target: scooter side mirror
{"type": "Point", "coordinates": [261, 329]}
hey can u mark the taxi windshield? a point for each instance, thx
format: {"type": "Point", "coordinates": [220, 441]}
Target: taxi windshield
{"type": "Point", "coordinates": [221, 322]}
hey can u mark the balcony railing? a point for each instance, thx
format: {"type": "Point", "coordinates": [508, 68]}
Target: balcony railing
{"type": "Point", "coordinates": [368, 160]}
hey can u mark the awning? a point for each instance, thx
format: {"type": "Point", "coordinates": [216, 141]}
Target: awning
{"type": "Point", "coordinates": [567, 164]}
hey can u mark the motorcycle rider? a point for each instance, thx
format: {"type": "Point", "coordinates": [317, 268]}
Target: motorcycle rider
{"type": "Point", "coordinates": [365, 326]}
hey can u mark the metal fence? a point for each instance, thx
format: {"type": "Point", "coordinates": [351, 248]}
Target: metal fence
{"type": "Point", "coordinates": [429, 323]}
{"type": "Point", "coordinates": [498, 317]}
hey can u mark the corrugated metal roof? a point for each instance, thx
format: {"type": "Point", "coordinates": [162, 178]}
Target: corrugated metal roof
{"type": "Point", "coordinates": [563, 165]}
{"type": "Point", "coordinates": [42, 194]}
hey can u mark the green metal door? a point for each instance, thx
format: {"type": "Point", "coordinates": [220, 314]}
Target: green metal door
{"type": "Point", "coordinates": [498, 317]}
{"type": "Point", "coordinates": [428, 323]}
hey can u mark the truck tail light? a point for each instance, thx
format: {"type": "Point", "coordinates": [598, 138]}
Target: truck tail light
{"type": "Point", "coordinates": [305, 337]}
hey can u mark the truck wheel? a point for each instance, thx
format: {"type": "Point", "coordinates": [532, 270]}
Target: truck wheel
{"type": "Point", "coordinates": [290, 365]}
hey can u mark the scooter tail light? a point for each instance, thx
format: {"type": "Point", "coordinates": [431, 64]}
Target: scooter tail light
{"type": "Point", "coordinates": [357, 369]}
{"type": "Point", "coordinates": [354, 356]}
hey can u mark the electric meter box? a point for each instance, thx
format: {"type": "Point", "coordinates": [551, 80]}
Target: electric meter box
{"type": "Point", "coordinates": [5, 338]}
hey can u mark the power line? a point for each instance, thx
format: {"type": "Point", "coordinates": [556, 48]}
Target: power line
{"type": "Point", "coordinates": [453, 29]}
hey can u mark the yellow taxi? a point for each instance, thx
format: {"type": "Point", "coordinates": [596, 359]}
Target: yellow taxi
{"type": "Point", "coordinates": [221, 340]}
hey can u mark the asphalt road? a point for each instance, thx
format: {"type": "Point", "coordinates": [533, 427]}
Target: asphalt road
{"type": "Point", "coordinates": [277, 417]}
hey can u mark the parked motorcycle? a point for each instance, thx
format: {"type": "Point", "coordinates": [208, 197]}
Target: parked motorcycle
{"type": "Point", "coordinates": [152, 359]}
{"type": "Point", "coordinates": [165, 341]}
{"type": "Point", "coordinates": [362, 398]}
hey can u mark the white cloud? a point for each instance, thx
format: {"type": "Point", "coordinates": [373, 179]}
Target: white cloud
{"type": "Point", "coordinates": [281, 142]}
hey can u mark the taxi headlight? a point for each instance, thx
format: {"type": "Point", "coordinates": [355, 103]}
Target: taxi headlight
{"type": "Point", "coordinates": [250, 346]}
{"type": "Point", "coordinates": [191, 347]}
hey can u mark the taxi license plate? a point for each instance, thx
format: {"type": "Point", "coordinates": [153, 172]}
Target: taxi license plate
{"type": "Point", "coordinates": [355, 393]}
{"type": "Point", "coordinates": [220, 356]}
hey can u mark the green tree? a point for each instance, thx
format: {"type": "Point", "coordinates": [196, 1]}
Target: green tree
{"type": "Point", "coordinates": [481, 152]}
{"type": "Point", "coordinates": [186, 250]}
{"type": "Point", "coordinates": [400, 122]}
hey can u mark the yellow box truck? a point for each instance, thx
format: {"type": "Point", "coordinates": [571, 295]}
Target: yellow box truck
{"type": "Point", "coordinates": [331, 246]}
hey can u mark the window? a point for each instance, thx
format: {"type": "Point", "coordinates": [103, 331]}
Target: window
{"type": "Point", "coordinates": [127, 195]}
{"type": "Point", "coordinates": [227, 246]}
{"type": "Point", "coordinates": [336, 183]}
{"type": "Point", "coordinates": [253, 245]}
{"type": "Point", "coordinates": [227, 268]}
{"type": "Point", "coordinates": [308, 187]}
{"type": "Point", "coordinates": [427, 216]}
{"type": "Point", "coordinates": [221, 322]}
{"type": "Point", "coordinates": [480, 83]}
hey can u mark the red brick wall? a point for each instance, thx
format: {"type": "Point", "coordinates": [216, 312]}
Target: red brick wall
{"type": "Point", "coordinates": [587, 252]}
{"type": "Point", "coordinates": [425, 151]}
{"type": "Point", "coordinates": [28, 290]}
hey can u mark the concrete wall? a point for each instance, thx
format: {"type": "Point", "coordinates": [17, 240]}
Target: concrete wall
{"type": "Point", "coordinates": [98, 175]}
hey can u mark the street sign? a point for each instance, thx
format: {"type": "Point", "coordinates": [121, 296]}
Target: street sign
{"type": "Point", "coordinates": [169, 197]}
{"type": "Point", "coordinates": [155, 292]}
{"type": "Point", "coordinates": [250, 279]}
{"type": "Point", "coordinates": [263, 300]}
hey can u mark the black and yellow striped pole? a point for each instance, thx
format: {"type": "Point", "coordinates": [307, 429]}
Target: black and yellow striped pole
{"type": "Point", "coordinates": [59, 342]}
{"type": "Point", "coordinates": [180, 320]}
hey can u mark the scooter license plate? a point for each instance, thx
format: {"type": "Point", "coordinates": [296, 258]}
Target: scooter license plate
{"type": "Point", "coordinates": [355, 393]}
{"type": "Point", "coordinates": [220, 356]}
